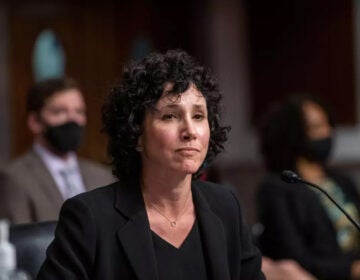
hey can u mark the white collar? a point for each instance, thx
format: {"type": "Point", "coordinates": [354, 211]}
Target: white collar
{"type": "Point", "coordinates": [55, 162]}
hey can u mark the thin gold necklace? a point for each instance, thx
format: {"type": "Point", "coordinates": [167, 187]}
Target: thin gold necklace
{"type": "Point", "coordinates": [173, 222]}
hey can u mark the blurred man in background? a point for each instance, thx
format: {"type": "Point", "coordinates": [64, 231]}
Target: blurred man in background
{"type": "Point", "coordinates": [35, 185]}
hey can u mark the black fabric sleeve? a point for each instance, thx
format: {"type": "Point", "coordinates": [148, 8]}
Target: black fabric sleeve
{"type": "Point", "coordinates": [71, 255]}
{"type": "Point", "coordinates": [251, 256]}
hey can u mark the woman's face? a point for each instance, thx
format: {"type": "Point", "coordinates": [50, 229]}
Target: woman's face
{"type": "Point", "coordinates": [176, 133]}
{"type": "Point", "coordinates": [317, 122]}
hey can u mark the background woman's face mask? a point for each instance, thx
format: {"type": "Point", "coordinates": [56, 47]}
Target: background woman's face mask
{"type": "Point", "coordinates": [319, 150]}
{"type": "Point", "coordinates": [65, 137]}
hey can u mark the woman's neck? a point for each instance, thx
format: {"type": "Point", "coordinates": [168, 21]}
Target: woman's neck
{"type": "Point", "coordinates": [311, 171]}
{"type": "Point", "coordinates": [169, 205]}
{"type": "Point", "coordinates": [164, 191]}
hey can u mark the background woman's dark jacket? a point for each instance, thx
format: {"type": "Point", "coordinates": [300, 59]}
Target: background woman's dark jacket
{"type": "Point", "coordinates": [297, 226]}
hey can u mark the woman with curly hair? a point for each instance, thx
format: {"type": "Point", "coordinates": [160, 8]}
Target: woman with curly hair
{"type": "Point", "coordinates": [300, 223]}
{"type": "Point", "coordinates": [158, 221]}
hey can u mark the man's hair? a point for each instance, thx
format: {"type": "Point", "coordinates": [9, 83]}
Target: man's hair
{"type": "Point", "coordinates": [141, 87]}
{"type": "Point", "coordinates": [40, 92]}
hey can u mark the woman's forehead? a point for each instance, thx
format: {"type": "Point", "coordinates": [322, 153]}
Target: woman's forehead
{"type": "Point", "coordinates": [191, 96]}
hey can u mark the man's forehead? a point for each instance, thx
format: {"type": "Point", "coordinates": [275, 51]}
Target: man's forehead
{"type": "Point", "coordinates": [64, 96]}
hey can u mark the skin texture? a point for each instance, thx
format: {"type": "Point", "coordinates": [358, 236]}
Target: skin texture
{"type": "Point", "coordinates": [317, 127]}
{"type": "Point", "coordinates": [173, 146]}
{"type": "Point", "coordinates": [317, 123]}
{"type": "Point", "coordinates": [176, 134]}
{"type": "Point", "coordinates": [284, 270]}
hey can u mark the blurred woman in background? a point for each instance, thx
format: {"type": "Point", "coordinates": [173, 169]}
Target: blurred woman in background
{"type": "Point", "coordinates": [299, 222]}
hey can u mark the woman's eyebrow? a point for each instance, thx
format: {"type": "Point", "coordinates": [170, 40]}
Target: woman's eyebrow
{"type": "Point", "coordinates": [174, 106]}
{"type": "Point", "coordinates": [199, 106]}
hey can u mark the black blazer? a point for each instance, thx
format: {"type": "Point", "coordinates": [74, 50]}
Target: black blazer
{"type": "Point", "coordinates": [105, 234]}
{"type": "Point", "coordinates": [297, 226]}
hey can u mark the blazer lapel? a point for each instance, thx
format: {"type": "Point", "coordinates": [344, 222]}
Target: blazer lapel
{"type": "Point", "coordinates": [135, 236]}
{"type": "Point", "coordinates": [213, 236]}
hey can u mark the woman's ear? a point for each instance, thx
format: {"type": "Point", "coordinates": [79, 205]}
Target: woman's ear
{"type": "Point", "coordinates": [139, 146]}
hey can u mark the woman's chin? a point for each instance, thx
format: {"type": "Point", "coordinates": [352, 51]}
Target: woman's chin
{"type": "Point", "coordinates": [191, 170]}
{"type": "Point", "coordinates": [186, 168]}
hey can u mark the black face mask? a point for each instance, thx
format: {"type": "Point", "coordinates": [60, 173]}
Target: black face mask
{"type": "Point", "coordinates": [319, 150]}
{"type": "Point", "coordinates": [64, 138]}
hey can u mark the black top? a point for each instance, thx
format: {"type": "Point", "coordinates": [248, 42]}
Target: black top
{"type": "Point", "coordinates": [185, 262]}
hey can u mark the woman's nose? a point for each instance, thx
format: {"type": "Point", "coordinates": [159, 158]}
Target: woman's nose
{"type": "Point", "coordinates": [189, 132]}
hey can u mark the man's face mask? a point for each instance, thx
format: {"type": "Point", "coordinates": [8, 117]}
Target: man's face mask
{"type": "Point", "coordinates": [65, 137]}
{"type": "Point", "coordinates": [319, 150]}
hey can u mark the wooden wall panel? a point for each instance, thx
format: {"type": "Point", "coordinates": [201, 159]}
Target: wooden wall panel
{"type": "Point", "coordinates": [98, 37]}
{"type": "Point", "coordinates": [88, 35]}
{"type": "Point", "coordinates": [303, 46]}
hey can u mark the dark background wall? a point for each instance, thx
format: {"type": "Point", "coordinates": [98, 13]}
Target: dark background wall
{"type": "Point", "coordinates": [98, 38]}
{"type": "Point", "coordinates": [260, 51]}
{"type": "Point", "coordinates": [303, 46]}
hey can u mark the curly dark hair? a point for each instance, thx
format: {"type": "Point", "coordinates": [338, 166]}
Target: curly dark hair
{"type": "Point", "coordinates": [141, 87]}
{"type": "Point", "coordinates": [283, 132]}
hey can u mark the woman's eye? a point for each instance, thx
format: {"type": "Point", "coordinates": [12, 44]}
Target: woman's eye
{"type": "Point", "coordinates": [198, 116]}
{"type": "Point", "coordinates": [169, 116]}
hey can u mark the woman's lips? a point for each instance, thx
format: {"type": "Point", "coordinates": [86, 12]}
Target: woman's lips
{"type": "Point", "coordinates": [188, 151]}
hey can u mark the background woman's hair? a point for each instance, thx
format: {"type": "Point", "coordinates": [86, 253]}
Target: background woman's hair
{"type": "Point", "coordinates": [283, 132]}
{"type": "Point", "coordinates": [141, 87]}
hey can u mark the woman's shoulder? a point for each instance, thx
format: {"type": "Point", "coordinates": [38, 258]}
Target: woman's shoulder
{"type": "Point", "coordinates": [216, 194]}
{"type": "Point", "coordinates": [207, 187]}
{"type": "Point", "coordinates": [94, 205]}
{"type": "Point", "coordinates": [98, 195]}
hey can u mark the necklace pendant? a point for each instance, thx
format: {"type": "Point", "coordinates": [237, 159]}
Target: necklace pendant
{"type": "Point", "coordinates": [173, 224]}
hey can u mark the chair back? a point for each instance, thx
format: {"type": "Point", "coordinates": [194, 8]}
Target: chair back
{"type": "Point", "coordinates": [31, 241]}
